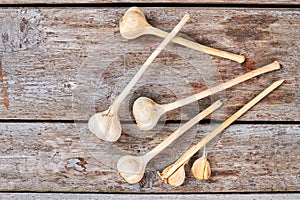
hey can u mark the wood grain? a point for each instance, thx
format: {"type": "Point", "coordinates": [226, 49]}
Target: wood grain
{"type": "Point", "coordinates": [28, 196]}
{"type": "Point", "coordinates": [272, 2]}
{"type": "Point", "coordinates": [62, 157]}
{"type": "Point", "coordinates": [65, 64]}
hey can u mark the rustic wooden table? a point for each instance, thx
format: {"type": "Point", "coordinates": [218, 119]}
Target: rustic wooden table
{"type": "Point", "coordinates": [63, 60]}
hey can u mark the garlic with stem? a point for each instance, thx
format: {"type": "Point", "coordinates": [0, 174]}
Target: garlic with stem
{"type": "Point", "coordinates": [147, 112]}
{"type": "Point", "coordinates": [106, 125]}
{"type": "Point", "coordinates": [170, 170]}
{"type": "Point", "coordinates": [132, 168]}
{"type": "Point", "coordinates": [133, 24]}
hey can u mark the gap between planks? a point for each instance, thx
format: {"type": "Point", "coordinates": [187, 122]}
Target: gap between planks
{"type": "Point", "coordinates": [153, 3]}
{"type": "Point", "coordinates": [91, 196]}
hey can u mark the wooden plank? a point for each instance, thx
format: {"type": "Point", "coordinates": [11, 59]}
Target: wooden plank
{"type": "Point", "coordinates": [28, 196]}
{"type": "Point", "coordinates": [52, 58]}
{"type": "Point", "coordinates": [60, 157]}
{"type": "Point", "coordinates": [272, 2]}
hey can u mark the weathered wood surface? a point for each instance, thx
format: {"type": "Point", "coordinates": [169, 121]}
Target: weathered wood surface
{"type": "Point", "coordinates": [287, 2]}
{"type": "Point", "coordinates": [59, 196]}
{"type": "Point", "coordinates": [61, 157]}
{"type": "Point", "coordinates": [49, 55]}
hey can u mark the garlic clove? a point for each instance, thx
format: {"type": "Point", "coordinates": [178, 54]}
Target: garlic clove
{"type": "Point", "coordinates": [201, 168]}
{"type": "Point", "coordinates": [177, 178]}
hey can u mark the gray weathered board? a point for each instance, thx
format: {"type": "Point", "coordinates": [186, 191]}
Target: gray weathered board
{"type": "Point", "coordinates": [53, 58]}
{"type": "Point", "coordinates": [252, 2]}
{"type": "Point", "coordinates": [59, 196]}
{"type": "Point", "coordinates": [67, 158]}
{"type": "Point", "coordinates": [68, 63]}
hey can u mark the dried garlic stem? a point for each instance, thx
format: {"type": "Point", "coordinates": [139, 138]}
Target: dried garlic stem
{"type": "Point", "coordinates": [134, 24]}
{"type": "Point", "coordinates": [194, 149]}
{"type": "Point", "coordinates": [106, 125]}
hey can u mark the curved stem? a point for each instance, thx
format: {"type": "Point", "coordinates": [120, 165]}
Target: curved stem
{"type": "Point", "coordinates": [273, 66]}
{"type": "Point", "coordinates": [182, 130]}
{"type": "Point", "coordinates": [150, 59]}
{"type": "Point", "coordinates": [197, 46]}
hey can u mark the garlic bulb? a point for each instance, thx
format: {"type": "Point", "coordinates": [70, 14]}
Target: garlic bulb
{"type": "Point", "coordinates": [146, 113]}
{"type": "Point", "coordinates": [133, 24]}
